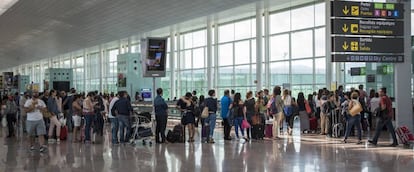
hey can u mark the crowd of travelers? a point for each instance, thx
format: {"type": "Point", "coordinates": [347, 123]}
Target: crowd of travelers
{"type": "Point", "coordinates": [53, 114]}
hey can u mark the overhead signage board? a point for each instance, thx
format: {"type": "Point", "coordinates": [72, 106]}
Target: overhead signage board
{"type": "Point", "coordinates": [367, 9]}
{"type": "Point", "coordinates": [367, 32]}
{"type": "Point", "coordinates": [368, 45]}
{"type": "Point", "coordinates": [368, 58]}
{"type": "Point", "coordinates": [367, 27]}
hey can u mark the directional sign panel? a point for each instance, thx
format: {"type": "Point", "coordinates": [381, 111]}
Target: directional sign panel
{"type": "Point", "coordinates": [367, 27]}
{"type": "Point", "coordinates": [367, 9]}
{"type": "Point", "coordinates": [368, 45]}
{"type": "Point", "coordinates": [368, 58]}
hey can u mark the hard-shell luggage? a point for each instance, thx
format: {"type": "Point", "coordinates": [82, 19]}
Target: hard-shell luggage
{"type": "Point", "coordinates": [406, 137]}
{"type": "Point", "coordinates": [304, 121]}
{"type": "Point", "coordinates": [269, 130]}
{"type": "Point", "coordinates": [63, 133]}
{"type": "Point", "coordinates": [205, 132]}
{"type": "Point", "coordinates": [313, 124]}
{"type": "Point", "coordinates": [257, 132]}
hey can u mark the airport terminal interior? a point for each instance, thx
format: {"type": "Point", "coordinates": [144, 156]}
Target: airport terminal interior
{"type": "Point", "coordinates": [180, 66]}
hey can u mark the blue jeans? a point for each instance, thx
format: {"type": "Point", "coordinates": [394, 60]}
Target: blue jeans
{"type": "Point", "coordinates": [211, 121]}
{"type": "Point", "coordinates": [124, 122]}
{"type": "Point", "coordinates": [353, 120]}
{"type": "Point", "coordinates": [88, 123]}
{"type": "Point", "coordinates": [114, 129]}
{"type": "Point", "coordinates": [380, 125]}
{"type": "Point", "coordinates": [237, 125]}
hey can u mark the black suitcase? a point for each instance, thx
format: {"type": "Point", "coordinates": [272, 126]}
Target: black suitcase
{"type": "Point", "coordinates": [258, 132]}
{"type": "Point", "coordinates": [179, 132]}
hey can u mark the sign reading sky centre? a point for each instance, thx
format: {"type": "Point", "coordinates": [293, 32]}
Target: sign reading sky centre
{"type": "Point", "coordinates": [367, 32]}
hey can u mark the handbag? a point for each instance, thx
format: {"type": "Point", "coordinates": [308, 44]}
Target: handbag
{"type": "Point", "coordinates": [288, 110]}
{"type": "Point", "coordinates": [356, 108]}
{"type": "Point", "coordinates": [245, 124]}
{"type": "Point", "coordinates": [308, 108]}
{"type": "Point", "coordinates": [204, 114]}
{"type": "Point", "coordinates": [46, 114]}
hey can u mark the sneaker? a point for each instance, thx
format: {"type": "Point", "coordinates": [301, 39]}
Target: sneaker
{"type": "Point", "coordinates": [51, 140]}
{"type": "Point", "coordinates": [43, 149]}
{"type": "Point", "coordinates": [359, 142]}
{"type": "Point", "coordinates": [393, 145]}
{"type": "Point", "coordinates": [57, 141]}
{"type": "Point", "coordinates": [211, 141]}
{"type": "Point", "coordinates": [372, 142]}
{"type": "Point", "coordinates": [32, 148]}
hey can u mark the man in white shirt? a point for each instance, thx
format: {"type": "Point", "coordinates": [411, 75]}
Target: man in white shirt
{"type": "Point", "coordinates": [114, 121]}
{"type": "Point", "coordinates": [35, 124]}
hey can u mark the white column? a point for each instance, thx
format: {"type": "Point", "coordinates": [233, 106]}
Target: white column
{"type": "Point", "coordinates": [172, 66]}
{"type": "Point", "coordinates": [85, 67]}
{"type": "Point", "coordinates": [328, 44]}
{"type": "Point", "coordinates": [259, 46]}
{"type": "Point", "coordinates": [178, 58]}
{"type": "Point", "coordinates": [101, 66]}
{"type": "Point", "coordinates": [129, 45]}
{"type": "Point", "coordinates": [209, 57]}
{"type": "Point", "coordinates": [216, 54]}
{"type": "Point", "coordinates": [267, 49]}
{"type": "Point", "coordinates": [403, 71]}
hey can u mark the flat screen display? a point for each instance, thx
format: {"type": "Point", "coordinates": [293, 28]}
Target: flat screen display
{"type": "Point", "coordinates": [154, 56]}
{"type": "Point", "coordinates": [61, 86]}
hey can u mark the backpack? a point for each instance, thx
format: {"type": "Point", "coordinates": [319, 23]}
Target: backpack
{"type": "Point", "coordinates": [325, 108]}
{"type": "Point", "coordinates": [11, 107]}
{"type": "Point", "coordinates": [235, 111]}
{"type": "Point", "coordinates": [273, 107]}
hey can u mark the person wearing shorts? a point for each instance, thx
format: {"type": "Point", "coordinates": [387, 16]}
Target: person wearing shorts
{"type": "Point", "coordinates": [77, 119]}
{"type": "Point", "coordinates": [35, 124]}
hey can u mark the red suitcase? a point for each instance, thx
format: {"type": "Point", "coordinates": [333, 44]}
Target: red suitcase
{"type": "Point", "coordinates": [63, 133]}
{"type": "Point", "coordinates": [269, 131]}
{"type": "Point", "coordinates": [313, 122]}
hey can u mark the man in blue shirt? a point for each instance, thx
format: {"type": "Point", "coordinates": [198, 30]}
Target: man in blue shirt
{"type": "Point", "coordinates": [225, 104]}
{"type": "Point", "coordinates": [161, 116]}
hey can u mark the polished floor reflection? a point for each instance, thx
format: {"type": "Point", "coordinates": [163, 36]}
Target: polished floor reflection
{"type": "Point", "coordinates": [292, 153]}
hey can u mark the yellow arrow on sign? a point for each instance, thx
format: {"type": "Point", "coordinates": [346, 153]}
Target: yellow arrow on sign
{"type": "Point", "coordinates": [345, 10]}
{"type": "Point", "coordinates": [345, 28]}
{"type": "Point", "coordinates": [345, 46]}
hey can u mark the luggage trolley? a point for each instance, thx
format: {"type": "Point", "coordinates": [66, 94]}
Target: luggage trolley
{"type": "Point", "coordinates": [141, 128]}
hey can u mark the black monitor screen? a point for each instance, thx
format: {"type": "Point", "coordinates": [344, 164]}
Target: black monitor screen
{"type": "Point", "coordinates": [61, 86]}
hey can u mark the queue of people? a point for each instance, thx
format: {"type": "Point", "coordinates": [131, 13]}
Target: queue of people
{"type": "Point", "coordinates": [261, 114]}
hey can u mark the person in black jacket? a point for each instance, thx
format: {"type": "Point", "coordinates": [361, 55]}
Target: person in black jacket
{"type": "Point", "coordinates": [211, 103]}
{"type": "Point", "coordinates": [123, 112]}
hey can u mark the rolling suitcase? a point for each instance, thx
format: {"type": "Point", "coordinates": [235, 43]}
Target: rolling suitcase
{"type": "Point", "coordinates": [313, 124]}
{"type": "Point", "coordinates": [205, 132]}
{"type": "Point", "coordinates": [405, 136]}
{"type": "Point", "coordinates": [269, 131]}
{"type": "Point", "coordinates": [257, 132]}
{"type": "Point", "coordinates": [63, 133]}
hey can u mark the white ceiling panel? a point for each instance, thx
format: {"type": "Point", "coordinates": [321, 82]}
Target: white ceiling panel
{"type": "Point", "coordinates": [34, 29]}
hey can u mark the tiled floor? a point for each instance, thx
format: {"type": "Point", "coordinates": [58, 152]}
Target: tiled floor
{"type": "Point", "coordinates": [292, 153]}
